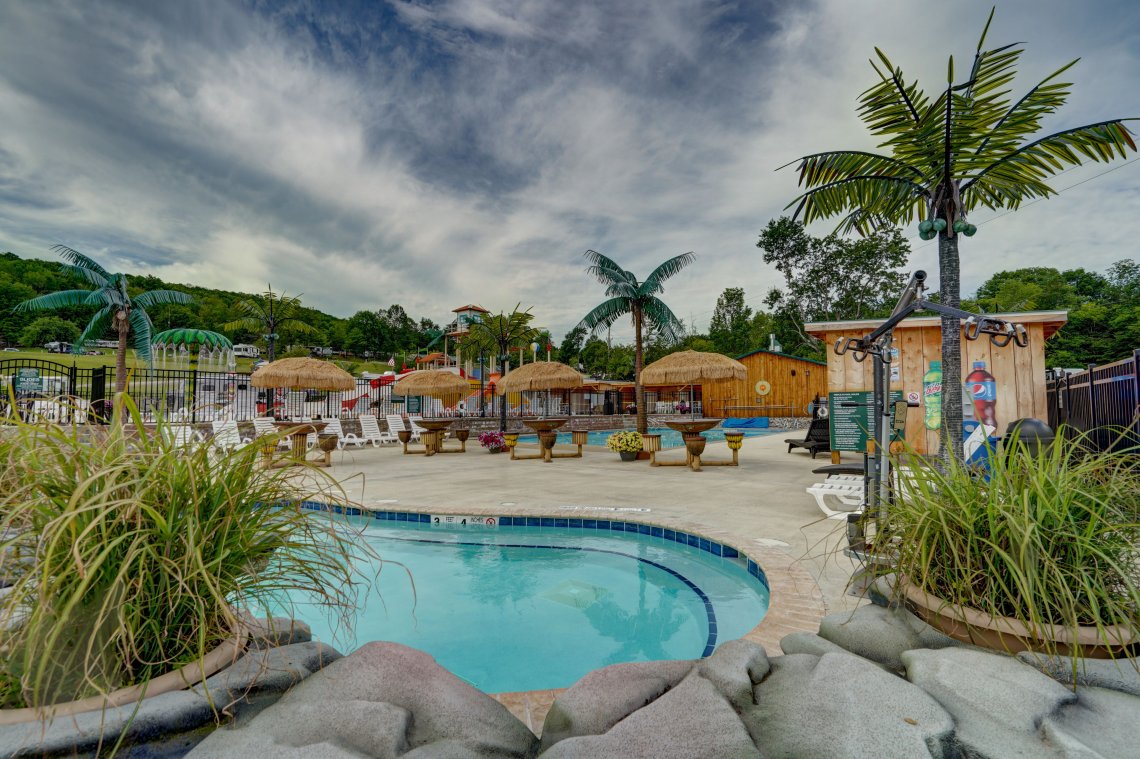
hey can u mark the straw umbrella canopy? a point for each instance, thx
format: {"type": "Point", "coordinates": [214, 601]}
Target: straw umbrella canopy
{"type": "Point", "coordinates": [693, 368]}
{"type": "Point", "coordinates": [303, 373]}
{"type": "Point", "coordinates": [540, 375]}
{"type": "Point", "coordinates": [437, 383]}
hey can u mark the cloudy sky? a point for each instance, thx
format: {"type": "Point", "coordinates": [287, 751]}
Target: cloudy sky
{"type": "Point", "coordinates": [434, 154]}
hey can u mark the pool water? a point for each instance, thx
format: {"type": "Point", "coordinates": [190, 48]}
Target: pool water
{"type": "Point", "coordinates": [669, 438]}
{"type": "Point", "coordinates": [528, 608]}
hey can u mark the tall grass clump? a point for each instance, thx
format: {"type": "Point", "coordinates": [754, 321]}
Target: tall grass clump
{"type": "Point", "coordinates": [130, 556]}
{"type": "Point", "coordinates": [1050, 539]}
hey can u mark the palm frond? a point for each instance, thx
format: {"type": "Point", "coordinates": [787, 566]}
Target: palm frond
{"type": "Point", "coordinates": [81, 261]}
{"type": "Point", "coordinates": [87, 275]}
{"type": "Point", "coordinates": [892, 98]}
{"type": "Point", "coordinates": [605, 314]}
{"type": "Point", "coordinates": [822, 168]}
{"type": "Point", "coordinates": [141, 329]}
{"type": "Point", "coordinates": [1024, 117]}
{"type": "Point", "coordinates": [875, 196]}
{"type": "Point", "coordinates": [95, 328]}
{"type": "Point", "coordinates": [249, 323]}
{"type": "Point", "coordinates": [161, 297]}
{"type": "Point", "coordinates": [655, 312]}
{"type": "Point", "coordinates": [60, 299]}
{"type": "Point", "coordinates": [1102, 141]}
{"type": "Point", "coordinates": [654, 282]}
{"type": "Point", "coordinates": [296, 325]}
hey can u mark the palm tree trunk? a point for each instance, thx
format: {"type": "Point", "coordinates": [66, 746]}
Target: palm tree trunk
{"type": "Point", "coordinates": [949, 290]}
{"type": "Point", "coordinates": [502, 398]}
{"type": "Point", "coordinates": [122, 326]}
{"type": "Point", "coordinates": [638, 390]}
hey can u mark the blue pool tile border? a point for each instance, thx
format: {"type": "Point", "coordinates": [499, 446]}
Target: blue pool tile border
{"type": "Point", "coordinates": [677, 536]}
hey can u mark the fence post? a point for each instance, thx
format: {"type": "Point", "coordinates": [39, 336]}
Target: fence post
{"type": "Point", "coordinates": [1094, 424]}
{"type": "Point", "coordinates": [194, 395]}
{"type": "Point", "coordinates": [1136, 389]}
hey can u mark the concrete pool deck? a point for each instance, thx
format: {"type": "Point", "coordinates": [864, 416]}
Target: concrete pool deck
{"type": "Point", "coordinates": [760, 508]}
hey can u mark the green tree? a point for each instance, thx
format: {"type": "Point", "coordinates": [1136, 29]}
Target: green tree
{"type": "Point", "coordinates": [730, 329]}
{"type": "Point", "coordinates": [945, 156]}
{"type": "Point", "coordinates": [270, 314]}
{"type": "Point", "coordinates": [119, 311]}
{"type": "Point", "coordinates": [829, 278]}
{"type": "Point", "coordinates": [498, 335]}
{"type": "Point", "coordinates": [572, 346]}
{"type": "Point", "coordinates": [47, 329]}
{"type": "Point", "coordinates": [639, 300]}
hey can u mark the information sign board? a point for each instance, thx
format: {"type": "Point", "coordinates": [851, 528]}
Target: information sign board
{"type": "Point", "coordinates": [851, 424]}
{"type": "Point", "coordinates": [28, 381]}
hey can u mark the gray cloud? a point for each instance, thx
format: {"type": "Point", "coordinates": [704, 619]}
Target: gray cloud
{"type": "Point", "coordinates": [435, 154]}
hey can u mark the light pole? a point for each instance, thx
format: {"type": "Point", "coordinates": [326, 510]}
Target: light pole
{"type": "Point", "coordinates": [482, 396]}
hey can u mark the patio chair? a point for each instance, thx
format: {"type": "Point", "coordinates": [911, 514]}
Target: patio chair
{"type": "Point", "coordinates": [818, 438]}
{"type": "Point", "coordinates": [181, 436]}
{"type": "Point", "coordinates": [226, 435]}
{"type": "Point", "coordinates": [838, 496]}
{"type": "Point", "coordinates": [396, 424]}
{"type": "Point", "coordinates": [264, 426]}
{"type": "Point", "coordinates": [415, 428]}
{"type": "Point", "coordinates": [343, 438]}
{"type": "Point", "coordinates": [370, 429]}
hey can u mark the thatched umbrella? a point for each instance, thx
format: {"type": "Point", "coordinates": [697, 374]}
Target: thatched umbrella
{"type": "Point", "coordinates": [692, 368]}
{"type": "Point", "coordinates": [437, 383]}
{"type": "Point", "coordinates": [540, 375]}
{"type": "Point", "coordinates": [303, 373]}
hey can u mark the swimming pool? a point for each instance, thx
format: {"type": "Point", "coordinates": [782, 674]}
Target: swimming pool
{"type": "Point", "coordinates": [669, 438]}
{"type": "Point", "coordinates": [512, 608]}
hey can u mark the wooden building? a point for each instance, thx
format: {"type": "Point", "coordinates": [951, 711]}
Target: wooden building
{"type": "Point", "coordinates": [777, 385]}
{"type": "Point", "coordinates": [1019, 373]}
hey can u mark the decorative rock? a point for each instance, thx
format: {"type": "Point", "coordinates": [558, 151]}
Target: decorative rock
{"type": "Point", "coordinates": [606, 696]}
{"type": "Point", "coordinates": [996, 701]}
{"type": "Point", "coordinates": [1103, 721]}
{"type": "Point", "coordinates": [399, 701]}
{"type": "Point", "coordinates": [839, 705]}
{"type": "Point", "coordinates": [1115, 674]}
{"type": "Point", "coordinates": [276, 631]}
{"type": "Point", "coordinates": [881, 592]}
{"type": "Point", "coordinates": [734, 668]}
{"type": "Point", "coordinates": [810, 643]}
{"type": "Point", "coordinates": [881, 634]}
{"type": "Point", "coordinates": [172, 723]}
{"type": "Point", "coordinates": [691, 721]}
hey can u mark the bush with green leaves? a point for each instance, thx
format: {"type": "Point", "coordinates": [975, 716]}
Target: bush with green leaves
{"type": "Point", "coordinates": [1048, 539]}
{"type": "Point", "coordinates": [130, 556]}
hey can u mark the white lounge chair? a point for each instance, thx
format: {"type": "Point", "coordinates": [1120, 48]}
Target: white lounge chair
{"type": "Point", "coordinates": [370, 429]}
{"type": "Point", "coordinates": [838, 498]}
{"type": "Point", "coordinates": [264, 427]}
{"type": "Point", "coordinates": [415, 428]}
{"type": "Point", "coordinates": [334, 427]}
{"type": "Point", "coordinates": [226, 435]}
{"type": "Point", "coordinates": [182, 436]}
{"type": "Point", "coordinates": [396, 424]}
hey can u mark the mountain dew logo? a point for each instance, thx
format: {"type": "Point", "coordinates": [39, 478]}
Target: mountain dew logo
{"type": "Point", "coordinates": [932, 388]}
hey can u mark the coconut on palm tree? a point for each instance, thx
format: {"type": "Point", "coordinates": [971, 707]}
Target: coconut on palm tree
{"type": "Point", "coordinates": [498, 334]}
{"type": "Point", "coordinates": [269, 314]}
{"type": "Point", "coordinates": [119, 311]}
{"type": "Point", "coordinates": [967, 147]}
{"type": "Point", "coordinates": [639, 299]}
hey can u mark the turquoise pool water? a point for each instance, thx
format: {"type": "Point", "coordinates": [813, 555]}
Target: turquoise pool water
{"type": "Point", "coordinates": [669, 438]}
{"type": "Point", "coordinates": [528, 608]}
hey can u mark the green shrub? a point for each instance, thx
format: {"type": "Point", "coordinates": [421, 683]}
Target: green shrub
{"type": "Point", "coordinates": [131, 557]}
{"type": "Point", "coordinates": [1052, 539]}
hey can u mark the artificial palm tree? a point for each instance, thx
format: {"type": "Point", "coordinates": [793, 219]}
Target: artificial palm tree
{"type": "Point", "coordinates": [120, 312]}
{"type": "Point", "coordinates": [968, 147]}
{"type": "Point", "coordinates": [638, 299]}
{"type": "Point", "coordinates": [269, 313]}
{"type": "Point", "coordinates": [498, 334]}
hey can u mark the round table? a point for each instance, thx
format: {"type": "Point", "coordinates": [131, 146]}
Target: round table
{"type": "Point", "coordinates": [298, 437]}
{"type": "Point", "coordinates": [545, 428]}
{"type": "Point", "coordinates": [691, 430]}
{"type": "Point", "coordinates": [434, 430]}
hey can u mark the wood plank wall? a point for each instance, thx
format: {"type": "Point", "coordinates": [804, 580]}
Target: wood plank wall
{"type": "Point", "coordinates": [795, 382]}
{"type": "Point", "coordinates": [1020, 374]}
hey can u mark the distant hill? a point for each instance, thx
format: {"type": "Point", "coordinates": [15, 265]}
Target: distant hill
{"type": "Point", "coordinates": [24, 278]}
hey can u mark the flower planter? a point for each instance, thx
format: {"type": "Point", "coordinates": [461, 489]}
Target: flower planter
{"type": "Point", "coordinates": [1011, 635]}
{"type": "Point", "coordinates": [628, 455]}
{"type": "Point", "coordinates": [213, 662]}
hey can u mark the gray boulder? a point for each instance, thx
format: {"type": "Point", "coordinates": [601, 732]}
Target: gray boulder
{"type": "Point", "coordinates": [734, 669]}
{"type": "Point", "coordinates": [881, 592]}
{"type": "Point", "coordinates": [881, 634]}
{"type": "Point", "coordinates": [997, 701]}
{"type": "Point", "coordinates": [1115, 674]}
{"type": "Point", "coordinates": [839, 705]}
{"type": "Point", "coordinates": [276, 631]}
{"type": "Point", "coordinates": [383, 700]}
{"type": "Point", "coordinates": [606, 696]}
{"type": "Point", "coordinates": [810, 643]}
{"type": "Point", "coordinates": [691, 721]}
{"type": "Point", "coordinates": [1102, 723]}
{"type": "Point", "coordinates": [172, 723]}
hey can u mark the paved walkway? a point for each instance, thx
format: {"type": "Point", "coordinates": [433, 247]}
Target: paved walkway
{"type": "Point", "coordinates": [759, 507]}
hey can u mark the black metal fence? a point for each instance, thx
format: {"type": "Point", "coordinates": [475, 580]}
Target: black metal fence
{"type": "Point", "coordinates": [1103, 401]}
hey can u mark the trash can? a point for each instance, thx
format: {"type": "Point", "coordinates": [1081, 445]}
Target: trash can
{"type": "Point", "coordinates": [1034, 434]}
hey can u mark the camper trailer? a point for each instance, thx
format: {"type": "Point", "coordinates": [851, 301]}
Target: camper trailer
{"type": "Point", "coordinates": [241, 350]}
